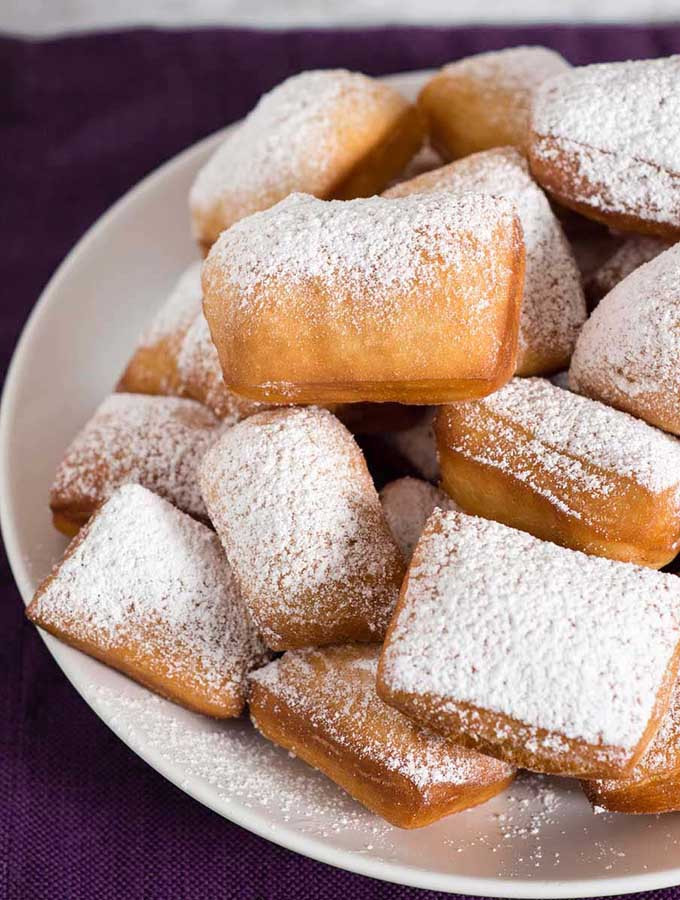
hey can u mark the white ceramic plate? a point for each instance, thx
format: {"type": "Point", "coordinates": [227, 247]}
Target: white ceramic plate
{"type": "Point", "coordinates": [539, 839]}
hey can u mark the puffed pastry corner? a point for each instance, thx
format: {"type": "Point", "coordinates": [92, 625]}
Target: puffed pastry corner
{"type": "Point", "coordinates": [322, 705]}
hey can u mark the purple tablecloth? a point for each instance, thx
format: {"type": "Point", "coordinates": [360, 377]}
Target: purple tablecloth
{"type": "Point", "coordinates": [81, 120]}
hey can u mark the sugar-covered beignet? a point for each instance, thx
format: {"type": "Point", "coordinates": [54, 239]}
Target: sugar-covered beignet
{"type": "Point", "coordinates": [147, 590]}
{"type": "Point", "coordinates": [408, 503]}
{"type": "Point", "coordinates": [329, 133]}
{"type": "Point", "coordinates": [484, 101]}
{"type": "Point", "coordinates": [635, 251]}
{"type": "Point", "coordinates": [291, 498]}
{"type": "Point", "coordinates": [653, 786]}
{"type": "Point", "coordinates": [605, 142]}
{"type": "Point", "coordinates": [628, 353]}
{"type": "Point", "coordinates": [158, 442]}
{"type": "Point", "coordinates": [322, 705]}
{"type": "Point", "coordinates": [411, 300]}
{"type": "Point", "coordinates": [566, 469]}
{"type": "Point", "coordinates": [553, 305]}
{"type": "Point", "coordinates": [542, 656]}
{"type": "Point", "coordinates": [176, 356]}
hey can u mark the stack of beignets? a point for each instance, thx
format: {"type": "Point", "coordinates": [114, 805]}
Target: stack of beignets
{"type": "Point", "coordinates": [499, 611]}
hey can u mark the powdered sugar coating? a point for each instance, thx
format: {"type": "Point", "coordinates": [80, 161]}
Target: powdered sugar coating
{"type": "Point", "coordinates": [557, 640]}
{"type": "Point", "coordinates": [144, 573]}
{"type": "Point", "coordinates": [334, 691]}
{"type": "Point", "coordinates": [617, 123]}
{"type": "Point", "coordinates": [301, 522]}
{"type": "Point", "coordinates": [635, 251]}
{"type": "Point", "coordinates": [517, 69]}
{"type": "Point", "coordinates": [553, 306]}
{"type": "Point", "coordinates": [158, 442]}
{"type": "Point", "coordinates": [628, 352]}
{"type": "Point", "coordinates": [582, 442]}
{"type": "Point", "coordinates": [295, 139]}
{"type": "Point", "coordinates": [408, 503]}
{"type": "Point", "coordinates": [379, 248]}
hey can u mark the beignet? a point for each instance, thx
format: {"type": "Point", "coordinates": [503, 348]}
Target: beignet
{"type": "Point", "coordinates": [330, 133]}
{"type": "Point", "coordinates": [628, 353]}
{"type": "Point", "coordinates": [291, 498]}
{"type": "Point", "coordinates": [157, 442]}
{"type": "Point", "coordinates": [553, 305]}
{"type": "Point", "coordinates": [147, 590]}
{"type": "Point", "coordinates": [654, 784]}
{"type": "Point", "coordinates": [408, 503]}
{"type": "Point", "coordinates": [412, 300]}
{"type": "Point", "coordinates": [484, 101]}
{"type": "Point", "coordinates": [541, 656]}
{"type": "Point", "coordinates": [322, 705]}
{"type": "Point", "coordinates": [605, 142]}
{"type": "Point", "coordinates": [566, 469]}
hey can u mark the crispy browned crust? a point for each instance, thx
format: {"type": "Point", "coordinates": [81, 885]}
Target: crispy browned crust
{"type": "Point", "coordinates": [258, 363]}
{"type": "Point", "coordinates": [364, 776]}
{"type": "Point", "coordinates": [630, 523]}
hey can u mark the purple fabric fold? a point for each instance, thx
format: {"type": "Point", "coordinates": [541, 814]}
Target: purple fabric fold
{"type": "Point", "coordinates": [82, 119]}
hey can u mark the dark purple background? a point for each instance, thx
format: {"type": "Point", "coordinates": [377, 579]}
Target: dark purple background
{"type": "Point", "coordinates": [81, 120]}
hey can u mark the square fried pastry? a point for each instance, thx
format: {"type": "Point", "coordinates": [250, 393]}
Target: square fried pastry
{"type": "Point", "coordinates": [176, 357]}
{"type": "Point", "coordinates": [291, 498]}
{"type": "Point", "coordinates": [322, 705]}
{"type": "Point", "coordinates": [553, 305]}
{"type": "Point", "coordinates": [329, 133]}
{"type": "Point", "coordinates": [564, 468]}
{"type": "Point", "coordinates": [628, 352]}
{"type": "Point", "coordinates": [541, 656]}
{"type": "Point", "coordinates": [410, 300]}
{"type": "Point", "coordinates": [605, 141]}
{"type": "Point", "coordinates": [408, 503]}
{"type": "Point", "coordinates": [484, 101]}
{"type": "Point", "coordinates": [157, 442]}
{"type": "Point", "coordinates": [147, 590]}
{"type": "Point", "coordinates": [653, 786]}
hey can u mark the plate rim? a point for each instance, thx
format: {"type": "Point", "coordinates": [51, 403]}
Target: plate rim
{"type": "Point", "coordinates": [315, 848]}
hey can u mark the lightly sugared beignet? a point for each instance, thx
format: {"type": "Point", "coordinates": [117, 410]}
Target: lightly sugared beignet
{"type": "Point", "coordinates": [176, 356]}
{"type": "Point", "coordinates": [566, 469]}
{"type": "Point", "coordinates": [408, 503]}
{"type": "Point", "coordinates": [147, 590]}
{"type": "Point", "coordinates": [628, 353]}
{"type": "Point", "coordinates": [484, 101]}
{"type": "Point", "coordinates": [158, 442]}
{"type": "Point", "coordinates": [635, 251]}
{"type": "Point", "coordinates": [653, 786]}
{"type": "Point", "coordinates": [553, 305]}
{"type": "Point", "coordinates": [605, 142]}
{"type": "Point", "coordinates": [541, 656]}
{"type": "Point", "coordinates": [411, 300]}
{"type": "Point", "coordinates": [322, 706]}
{"type": "Point", "coordinates": [331, 133]}
{"type": "Point", "coordinates": [291, 498]}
